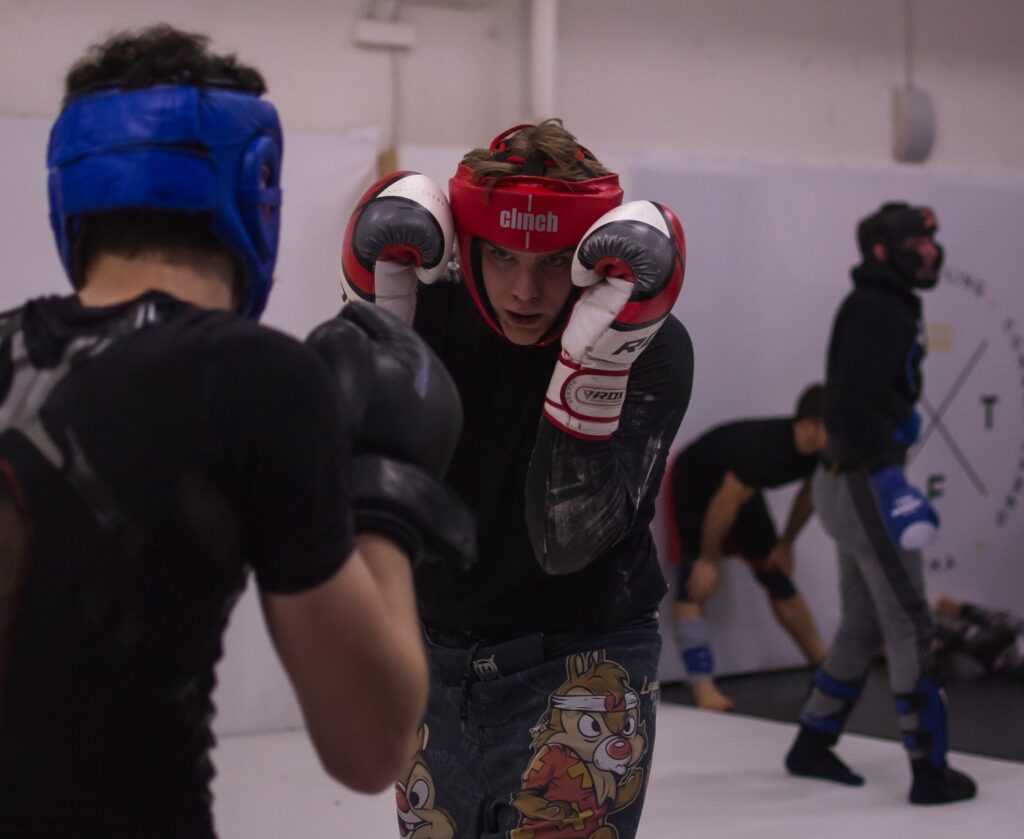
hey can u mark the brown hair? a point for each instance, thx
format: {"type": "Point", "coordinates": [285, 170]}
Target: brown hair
{"type": "Point", "coordinates": [811, 404]}
{"type": "Point", "coordinates": [555, 150]}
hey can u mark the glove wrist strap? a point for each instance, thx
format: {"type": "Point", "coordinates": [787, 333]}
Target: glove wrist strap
{"type": "Point", "coordinates": [585, 401]}
{"type": "Point", "coordinates": [402, 501]}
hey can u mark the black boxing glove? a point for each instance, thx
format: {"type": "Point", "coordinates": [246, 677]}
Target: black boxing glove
{"type": "Point", "coordinates": [407, 420]}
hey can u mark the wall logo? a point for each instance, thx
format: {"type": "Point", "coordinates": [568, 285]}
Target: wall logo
{"type": "Point", "coordinates": [971, 446]}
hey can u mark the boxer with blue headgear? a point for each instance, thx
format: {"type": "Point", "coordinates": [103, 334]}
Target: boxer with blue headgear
{"type": "Point", "coordinates": [156, 446]}
{"type": "Point", "coordinates": [207, 150]}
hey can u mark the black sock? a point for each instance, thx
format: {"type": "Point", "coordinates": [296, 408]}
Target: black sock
{"type": "Point", "coordinates": [939, 786]}
{"type": "Point", "coordinates": [812, 757]}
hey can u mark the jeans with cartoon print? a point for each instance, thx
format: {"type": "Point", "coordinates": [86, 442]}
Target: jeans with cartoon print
{"type": "Point", "coordinates": [538, 737]}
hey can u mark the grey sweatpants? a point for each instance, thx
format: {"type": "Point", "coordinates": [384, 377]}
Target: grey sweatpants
{"type": "Point", "coordinates": [882, 599]}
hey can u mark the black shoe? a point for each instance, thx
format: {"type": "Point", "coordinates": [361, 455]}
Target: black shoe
{"type": "Point", "coordinates": [939, 786]}
{"type": "Point", "coordinates": [811, 756]}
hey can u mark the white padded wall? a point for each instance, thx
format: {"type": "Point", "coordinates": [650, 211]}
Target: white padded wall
{"type": "Point", "coordinates": [769, 250]}
{"type": "Point", "coordinates": [770, 247]}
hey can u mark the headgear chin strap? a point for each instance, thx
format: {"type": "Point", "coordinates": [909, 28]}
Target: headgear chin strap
{"type": "Point", "coordinates": [522, 213]}
{"type": "Point", "coordinates": [184, 148]}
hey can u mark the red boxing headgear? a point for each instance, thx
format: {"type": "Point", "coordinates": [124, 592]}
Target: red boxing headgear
{"type": "Point", "coordinates": [522, 213]}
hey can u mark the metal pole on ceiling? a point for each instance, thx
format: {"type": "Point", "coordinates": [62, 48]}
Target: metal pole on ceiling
{"type": "Point", "coordinates": [543, 45]}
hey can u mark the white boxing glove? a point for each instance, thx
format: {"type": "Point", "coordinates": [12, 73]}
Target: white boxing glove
{"type": "Point", "coordinates": [401, 233]}
{"type": "Point", "coordinates": [631, 262]}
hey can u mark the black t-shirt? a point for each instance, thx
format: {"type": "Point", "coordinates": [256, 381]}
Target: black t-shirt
{"type": "Point", "coordinates": [150, 453]}
{"type": "Point", "coordinates": [591, 500]}
{"type": "Point", "coordinates": [760, 452]}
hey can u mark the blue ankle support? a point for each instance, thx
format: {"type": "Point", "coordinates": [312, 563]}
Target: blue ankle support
{"type": "Point", "coordinates": [691, 636]}
{"type": "Point", "coordinates": [699, 662]}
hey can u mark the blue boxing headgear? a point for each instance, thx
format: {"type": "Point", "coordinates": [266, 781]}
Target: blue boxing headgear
{"type": "Point", "coordinates": [167, 147]}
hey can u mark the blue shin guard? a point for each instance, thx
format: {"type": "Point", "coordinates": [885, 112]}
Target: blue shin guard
{"type": "Point", "coordinates": [838, 693]}
{"type": "Point", "coordinates": [929, 738]}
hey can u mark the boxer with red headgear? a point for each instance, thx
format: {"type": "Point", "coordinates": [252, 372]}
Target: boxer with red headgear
{"type": "Point", "coordinates": [526, 212]}
{"type": "Point", "coordinates": [554, 321]}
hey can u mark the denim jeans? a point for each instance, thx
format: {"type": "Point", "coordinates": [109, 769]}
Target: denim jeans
{"type": "Point", "coordinates": [540, 736]}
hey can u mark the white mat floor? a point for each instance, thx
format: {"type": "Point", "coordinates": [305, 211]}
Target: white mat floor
{"type": "Point", "coordinates": [715, 777]}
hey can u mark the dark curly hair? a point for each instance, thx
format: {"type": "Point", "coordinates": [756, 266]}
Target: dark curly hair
{"type": "Point", "coordinates": [135, 59]}
{"type": "Point", "coordinates": [155, 55]}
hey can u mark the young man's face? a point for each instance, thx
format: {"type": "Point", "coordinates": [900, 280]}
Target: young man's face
{"type": "Point", "coordinates": [527, 290]}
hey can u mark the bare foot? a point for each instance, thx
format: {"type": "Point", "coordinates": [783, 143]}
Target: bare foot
{"type": "Point", "coordinates": [709, 697]}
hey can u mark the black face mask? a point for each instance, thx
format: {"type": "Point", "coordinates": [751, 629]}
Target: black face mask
{"type": "Point", "coordinates": [890, 226]}
{"type": "Point", "coordinates": [907, 262]}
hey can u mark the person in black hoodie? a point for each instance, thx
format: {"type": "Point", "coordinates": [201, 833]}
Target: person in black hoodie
{"type": "Point", "coordinates": [878, 521]}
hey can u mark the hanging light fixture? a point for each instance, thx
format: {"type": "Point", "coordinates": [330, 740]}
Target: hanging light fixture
{"type": "Point", "coordinates": [913, 114]}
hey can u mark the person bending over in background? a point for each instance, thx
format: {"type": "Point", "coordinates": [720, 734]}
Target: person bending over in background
{"type": "Point", "coordinates": [156, 443]}
{"type": "Point", "coordinates": [556, 326]}
{"type": "Point", "coordinates": [877, 520]}
{"type": "Point", "coordinates": [717, 508]}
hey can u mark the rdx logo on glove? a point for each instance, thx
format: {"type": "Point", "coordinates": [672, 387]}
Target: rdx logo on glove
{"type": "Point", "coordinates": [591, 393]}
{"type": "Point", "coordinates": [635, 345]}
{"type": "Point", "coordinates": [599, 396]}
{"type": "Point", "coordinates": [518, 220]}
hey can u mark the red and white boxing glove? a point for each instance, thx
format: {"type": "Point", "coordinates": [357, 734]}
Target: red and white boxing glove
{"type": "Point", "coordinates": [401, 233]}
{"type": "Point", "coordinates": [631, 262]}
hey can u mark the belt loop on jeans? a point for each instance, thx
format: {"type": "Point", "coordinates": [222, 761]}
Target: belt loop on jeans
{"type": "Point", "coordinates": [467, 682]}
